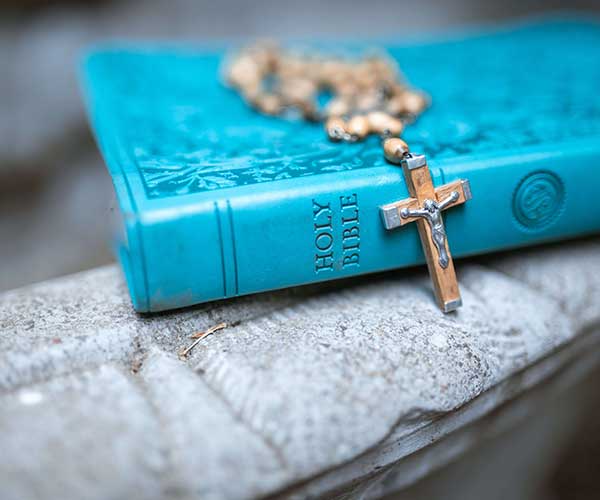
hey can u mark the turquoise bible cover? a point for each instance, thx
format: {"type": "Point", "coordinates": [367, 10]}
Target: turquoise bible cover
{"type": "Point", "coordinates": [219, 201]}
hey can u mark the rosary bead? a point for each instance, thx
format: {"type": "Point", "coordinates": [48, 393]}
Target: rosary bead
{"type": "Point", "coordinates": [414, 103]}
{"type": "Point", "coordinates": [394, 149]}
{"type": "Point", "coordinates": [358, 127]}
{"type": "Point", "coordinates": [378, 120]}
{"type": "Point", "coordinates": [385, 70]}
{"type": "Point", "coordinates": [269, 104]}
{"type": "Point", "coordinates": [346, 89]}
{"type": "Point", "coordinates": [384, 124]}
{"type": "Point", "coordinates": [337, 107]}
{"type": "Point", "coordinates": [395, 105]}
{"type": "Point", "coordinates": [298, 90]}
{"type": "Point", "coordinates": [365, 77]}
{"type": "Point", "coordinates": [394, 127]}
{"type": "Point", "coordinates": [336, 128]}
{"type": "Point", "coordinates": [244, 71]}
{"type": "Point", "coordinates": [333, 72]}
{"type": "Point", "coordinates": [312, 71]}
{"type": "Point", "coordinates": [251, 93]}
{"type": "Point", "coordinates": [367, 101]}
{"type": "Point", "coordinates": [292, 68]}
{"type": "Point", "coordinates": [396, 89]}
{"type": "Point", "coordinates": [267, 55]}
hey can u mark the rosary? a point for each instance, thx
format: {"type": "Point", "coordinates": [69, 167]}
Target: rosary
{"type": "Point", "coordinates": [368, 97]}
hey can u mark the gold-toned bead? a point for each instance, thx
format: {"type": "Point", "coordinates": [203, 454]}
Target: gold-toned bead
{"type": "Point", "coordinates": [396, 89]}
{"type": "Point", "coordinates": [377, 120]}
{"type": "Point", "coordinates": [346, 89]}
{"type": "Point", "coordinates": [336, 128]}
{"type": "Point", "coordinates": [364, 76]}
{"type": "Point", "coordinates": [266, 53]}
{"type": "Point", "coordinates": [332, 68]}
{"type": "Point", "coordinates": [298, 91]}
{"type": "Point", "coordinates": [291, 68]}
{"type": "Point", "coordinates": [367, 101]}
{"type": "Point", "coordinates": [338, 107]}
{"type": "Point", "coordinates": [383, 68]}
{"type": "Point", "coordinates": [244, 71]}
{"type": "Point", "coordinates": [384, 124]}
{"type": "Point", "coordinates": [310, 72]}
{"type": "Point", "coordinates": [394, 127]}
{"type": "Point", "coordinates": [394, 149]}
{"type": "Point", "coordinates": [358, 127]}
{"type": "Point", "coordinates": [251, 94]}
{"type": "Point", "coordinates": [268, 103]}
{"type": "Point", "coordinates": [414, 102]}
{"type": "Point", "coordinates": [395, 105]}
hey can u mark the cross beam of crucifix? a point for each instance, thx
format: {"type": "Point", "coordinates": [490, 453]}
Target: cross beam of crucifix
{"type": "Point", "coordinates": [425, 208]}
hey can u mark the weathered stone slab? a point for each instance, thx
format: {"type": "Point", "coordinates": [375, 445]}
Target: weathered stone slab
{"type": "Point", "coordinates": [566, 272]}
{"type": "Point", "coordinates": [61, 325]}
{"type": "Point", "coordinates": [208, 439]}
{"type": "Point", "coordinates": [313, 376]}
{"type": "Point", "coordinates": [90, 435]}
{"type": "Point", "coordinates": [307, 390]}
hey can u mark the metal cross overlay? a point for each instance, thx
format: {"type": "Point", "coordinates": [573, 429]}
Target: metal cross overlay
{"type": "Point", "coordinates": [425, 208]}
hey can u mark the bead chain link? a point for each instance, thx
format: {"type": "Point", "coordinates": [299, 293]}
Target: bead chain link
{"type": "Point", "coordinates": [368, 96]}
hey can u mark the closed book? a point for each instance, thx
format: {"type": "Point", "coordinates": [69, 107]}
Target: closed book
{"type": "Point", "coordinates": [219, 201]}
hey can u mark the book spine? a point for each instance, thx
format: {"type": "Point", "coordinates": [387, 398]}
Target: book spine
{"type": "Point", "coordinates": [274, 235]}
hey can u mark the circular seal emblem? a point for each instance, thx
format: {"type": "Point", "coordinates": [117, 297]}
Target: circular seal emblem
{"type": "Point", "coordinates": [538, 200]}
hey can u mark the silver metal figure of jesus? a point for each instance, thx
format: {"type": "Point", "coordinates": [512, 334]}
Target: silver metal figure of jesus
{"type": "Point", "coordinates": [432, 213]}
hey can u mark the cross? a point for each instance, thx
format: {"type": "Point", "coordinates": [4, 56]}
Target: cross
{"type": "Point", "coordinates": [425, 208]}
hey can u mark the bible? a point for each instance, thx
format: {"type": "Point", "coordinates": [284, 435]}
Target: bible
{"type": "Point", "coordinates": [218, 201]}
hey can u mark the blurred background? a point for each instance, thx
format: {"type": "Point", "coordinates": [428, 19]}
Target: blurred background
{"type": "Point", "coordinates": [55, 194]}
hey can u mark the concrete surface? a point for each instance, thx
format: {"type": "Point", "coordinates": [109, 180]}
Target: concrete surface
{"type": "Point", "coordinates": [312, 391]}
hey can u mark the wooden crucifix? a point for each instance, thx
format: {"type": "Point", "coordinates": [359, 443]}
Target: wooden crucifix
{"type": "Point", "coordinates": [425, 207]}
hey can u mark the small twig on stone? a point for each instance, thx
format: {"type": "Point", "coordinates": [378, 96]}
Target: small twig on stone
{"type": "Point", "coordinates": [199, 337]}
{"type": "Point", "coordinates": [136, 364]}
{"type": "Point", "coordinates": [210, 331]}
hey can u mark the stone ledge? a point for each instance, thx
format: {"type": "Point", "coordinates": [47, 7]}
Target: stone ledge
{"type": "Point", "coordinates": [311, 390]}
